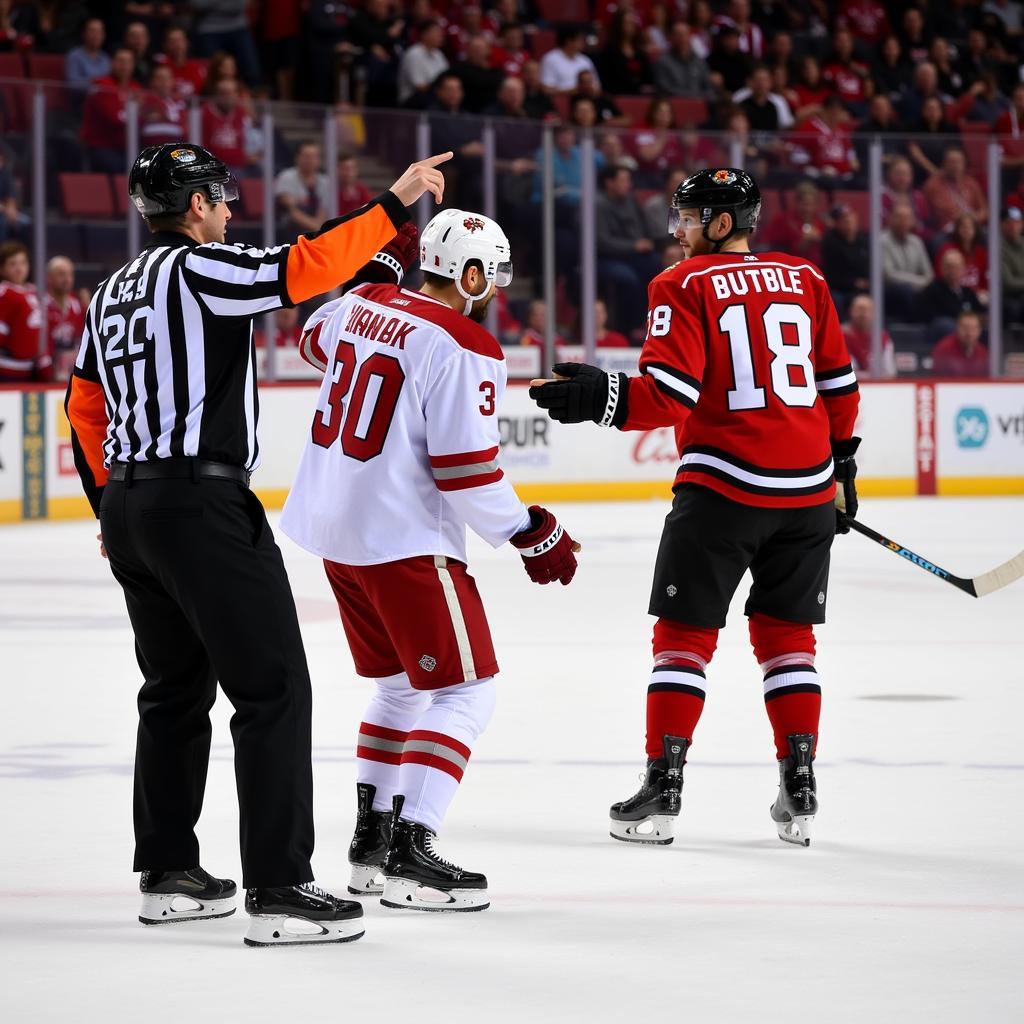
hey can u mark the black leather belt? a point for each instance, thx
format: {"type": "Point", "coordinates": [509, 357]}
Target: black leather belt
{"type": "Point", "coordinates": [177, 469]}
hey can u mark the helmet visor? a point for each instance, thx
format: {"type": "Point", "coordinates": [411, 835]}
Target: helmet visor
{"type": "Point", "coordinates": [221, 191]}
{"type": "Point", "coordinates": [503, 274]}
{"type": "Point", "coordinates": [685, 219]}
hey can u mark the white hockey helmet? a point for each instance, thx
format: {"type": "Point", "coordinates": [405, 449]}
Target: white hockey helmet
{"type": "Point", "coordinates": [454, 237]}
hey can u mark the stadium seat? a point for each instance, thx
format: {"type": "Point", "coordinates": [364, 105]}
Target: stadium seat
{"type": "Point", "coordinates": [858, 200]}
{"type": "Point", "coordinates": [634, 107]}
{"type": "Point", "coordinates": [12, 65]}
{"type": "Point", "coordinates": [688, 111]}
{"type": "Point", "coordinates": [86, 195]}
{"type": "Point", "coordinates": [544, 39]}
{"type": "Point", "coordinates": [119, 188]}
{"type": "Point", "coordinates": [975, 128]}
{"type": "Point", "coordinates": [571, 11]}
{"type": "Point", "coordinates": [47, 67]}
{"type": "Point", "coordinates": [251, 194]}
{"type": "Point", "coordinates": [562, 106]}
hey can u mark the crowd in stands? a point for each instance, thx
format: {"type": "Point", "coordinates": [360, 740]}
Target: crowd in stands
{"type": "Point", "coordinates": [793, 91]}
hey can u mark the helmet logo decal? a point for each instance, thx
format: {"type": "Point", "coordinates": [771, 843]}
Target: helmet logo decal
{"type": "Point", "coordinates": [723, 177]}
{"type": "Point", "coordinates": [183, 156]}
{"type": "Point", "coordinates": [473, 224]}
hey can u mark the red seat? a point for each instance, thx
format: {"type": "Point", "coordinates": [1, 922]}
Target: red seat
{"type": "Point", "coordinates": [561, 104]}
{"type": "Point", "coordinates": [688, 111]}
{"type": "Point", "coordinates": [975, 128]}
{"type": "Point", "coordinates": [544, 39]}
{"type": "Point", "coordinates": [859, 201]}
{"type": "Point", "coordinates": [634, 107]}
{"type": "Point", "coordinates": [86, 195]}
{"type": "Point", "coordinates": [12, 65]}
{"type": "Point", "coordinates": [564, 10]}
{"type": "Point", "coordinates": [251, 194]}
{"type": "Point", "coordinates": [48, 67]}
{"type": "Point", "coordinates": [119, 188]}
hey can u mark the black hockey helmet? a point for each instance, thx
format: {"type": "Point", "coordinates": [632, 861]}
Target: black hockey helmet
{"type": "Point", "coordinates": [163, 178]}
{"type": "Point", "coordinates": [714, 191]}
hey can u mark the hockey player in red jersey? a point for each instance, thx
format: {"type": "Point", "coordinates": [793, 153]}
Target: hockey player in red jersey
{"type": "Point", "coordinates": [745, 357]}
{"type": "Point", "coordinates": [402, 457]}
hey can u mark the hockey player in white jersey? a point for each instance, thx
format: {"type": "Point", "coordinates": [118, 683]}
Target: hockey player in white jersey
{"type": "Point", "coordinates": [402, 456]}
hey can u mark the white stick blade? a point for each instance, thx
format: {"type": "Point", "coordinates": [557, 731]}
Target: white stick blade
{"type": "Point", "coordinates": [1000, 577]}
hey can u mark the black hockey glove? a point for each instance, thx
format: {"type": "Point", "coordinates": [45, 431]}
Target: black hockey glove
{"type": "Point", "coordinates": [586, 393]}
{"type": "Point", "coordinates": [846, 488]}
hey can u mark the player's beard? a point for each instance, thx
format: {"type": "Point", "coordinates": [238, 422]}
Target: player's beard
{"type": "Point", "coordinates": [478, 311]}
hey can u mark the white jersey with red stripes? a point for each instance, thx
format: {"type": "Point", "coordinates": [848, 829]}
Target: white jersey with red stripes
{"type": "Point", "coordinates": [402, 453]}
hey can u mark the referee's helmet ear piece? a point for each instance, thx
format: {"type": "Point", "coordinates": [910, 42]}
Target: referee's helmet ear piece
{"type": "Point", "coordinates": [164, 178]}
{"type": "Point", "coordinates": [454, 237]}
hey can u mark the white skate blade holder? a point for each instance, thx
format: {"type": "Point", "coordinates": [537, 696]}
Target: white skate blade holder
{"type": "Point", "coordinates": [366, 879]}
{"type": "Point", "coordinates": [655, 829]}
{"type": "Point", "coordinates": [165, 908]}
{"type": "Point", "coordinates": [281, 930]}
{"type": "Point", "coordinates": [797, 830]}
{"type": "Point", "coordinates": [406, 894]}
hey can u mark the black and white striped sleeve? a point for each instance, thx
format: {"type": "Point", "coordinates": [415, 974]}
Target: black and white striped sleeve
{"type": "Point", "coordinates": [237, 280]}
{"type": "Point", "coordinates": [839, 381]}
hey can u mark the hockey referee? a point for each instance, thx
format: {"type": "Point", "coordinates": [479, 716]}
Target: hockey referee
{"type": "Point", "coordinates": [163, 408]}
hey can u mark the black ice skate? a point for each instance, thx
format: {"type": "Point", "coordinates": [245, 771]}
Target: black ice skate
{"type": "Point", "coordinates": [191, 895]}
{"type": "Point", "coordinates": [295, 914]}
{"type": "Point", "coordinates": [416, 878]}
{"type": "Point", "coordinates": [649, 815]}
{"type": "Point", "coordinates": [369, 843]}
{"type": "Point", "coordinates": [796, 805]}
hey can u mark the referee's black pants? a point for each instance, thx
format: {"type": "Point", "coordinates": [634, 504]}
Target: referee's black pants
{"type": "Point", "coordinates": [209, 600]}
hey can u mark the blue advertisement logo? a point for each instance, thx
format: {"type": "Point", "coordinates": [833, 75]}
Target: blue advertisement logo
{"type": "Point", "coordinates": [971, 427]}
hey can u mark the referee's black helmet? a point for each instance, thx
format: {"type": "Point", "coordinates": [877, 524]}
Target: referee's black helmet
{"type": "Point", "coordinates": [722, 190]}
{"type": "Point", "coordinates": [164, 178]}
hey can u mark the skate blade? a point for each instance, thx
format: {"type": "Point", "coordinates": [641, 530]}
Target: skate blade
{"type": "Point", "coordinates": [655, 830]}
{"type": "Point", "coordinates": [366, 880]}
{"type": "Point", "coordinates": [797, 830]}
{"type": "Point", "coordinates": [167, 908]}
{"type": "Point", "coordinates": [404, 894]}
{"type": "Point", "coordinates": [278, 930]}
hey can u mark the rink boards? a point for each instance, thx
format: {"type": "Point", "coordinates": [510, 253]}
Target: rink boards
{"type": "Point", "coordinates": [927, 437]}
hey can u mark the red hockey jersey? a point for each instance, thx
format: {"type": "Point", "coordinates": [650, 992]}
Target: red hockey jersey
{"type": "Point", "coordinates": [745, 355]}
{"type": "Point", "coordinates": [20, 321]}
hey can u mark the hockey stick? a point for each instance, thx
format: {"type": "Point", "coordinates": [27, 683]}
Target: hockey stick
{"type": "Point", "coordinates": [978, 586]}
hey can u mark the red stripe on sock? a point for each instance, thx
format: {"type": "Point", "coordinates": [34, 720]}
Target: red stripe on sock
{"type": "Point", "coordinates": [368, 729]}
{"type": "Point", "coordinates": [433, 761]}
{"type": "Point", "coordinates": [383, 756]}
{"type": "Point", "coordinates": [791, 714]}
{"type": "Point", "coordinates": [426, 736]}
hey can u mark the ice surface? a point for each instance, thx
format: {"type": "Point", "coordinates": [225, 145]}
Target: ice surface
{"type": "Point", "coordinates": [908, 906]}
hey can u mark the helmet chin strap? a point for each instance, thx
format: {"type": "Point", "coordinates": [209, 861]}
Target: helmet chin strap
{"type": "Point", "coordinates": [470, 299]}
{"type": "Point", "coordinates": [717, 246]}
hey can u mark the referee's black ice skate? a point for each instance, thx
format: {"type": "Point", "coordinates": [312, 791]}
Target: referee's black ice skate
{"type": "Point", "coordinates": [369, 843]}
{"type": "Point", "coordinates": [796, 805]}
{"type": "Point", "coordinates": [191, 895]}
{"type": "Point", "coordinates": [416, 878]}
{"type": "Point", "coordinates": [649, 815]}
{"type": "Point", "coordinates": [292, 915]}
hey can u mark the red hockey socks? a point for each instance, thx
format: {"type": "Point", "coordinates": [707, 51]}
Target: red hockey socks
{"type": "Point", "coordinates": [792, 695]}
{"type": "Point", "coordinates": [675, 695]}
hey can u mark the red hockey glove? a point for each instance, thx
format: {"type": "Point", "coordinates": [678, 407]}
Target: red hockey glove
{"type": "Point", "coordinates": [846, 487]}
{"type": "Point", "coordinates": [546, 549]}
{"type": "Point", "coordinates": [393, 262]}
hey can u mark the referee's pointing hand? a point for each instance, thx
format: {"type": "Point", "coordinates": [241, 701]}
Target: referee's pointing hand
{"type": "Point", "coordinates": [422, 177]}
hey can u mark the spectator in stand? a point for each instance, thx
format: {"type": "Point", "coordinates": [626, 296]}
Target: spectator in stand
{"type": "Point", "coordinates": [914, 35]}
{"type": "Point", "coordinates": [301, 192]}
{"type": "Point", "coordinates": [656, 208]}
{"type": "Point", "coordinates": [899, 188]}
{"type": "Point", "coordinates": [751, 38]}
{"type": "Point", "coordinates": [582, 112]}
{"type": "Point", "coordinates": [766, 111]}
{"type": "Point", "coordinates": [931, 137]}
{"type": "Point", "coordinates": [950, 81]}
{"type": "Point", "coordinates": [946, 297]}
{"type": "Point", "coordinates": [137, 39]}
{"type": "Point", "coordinates": [974, 59]}
{"type": "Point", "coordinates": [656, 146]}
{"type": "Point", "coordinates": [729, 66]}
{"type": "Point", "coordinates": [89, 61]}
{"type": "Point", "coordinates": [1011, 254]}
{"type": "Point", "coordinates": [882, 118]}
{"type": "Point", "coordinates": [470, 23]}
{"type": "Point", "coordinates": [906, 269]}
{"type": "Point", "coordinates": [811, 90]}
{"type": "Point", "coordinates": [952, 191]}
{"type": "Point", "coordinates": [462, 135]}
{"type": "Point", "coordinates": [846, 257]}
{"type": "Point", "coordinates": [219, 67]}
{"type": "Point", "coordinates": [13, 221]}
{"type": "Point", "coordinates": [189, 72]}
{"type": "Point", "coordinates": [848, 76]}
{"type": "Point", "coordinates": [480, 80]}
{"type": "Point", "coordinates": [800, 227]}
{"type": "Point", "coordinates": [890, 72]}
{"type": "Point", "coordinates": [421, 64]}
{"type": "Point", "coordinates": [536, 101]}
{"type": "Point", "coordinates": [626, 260]}
{"type": "Point", "coordinates": [377, 32]}
{"type": "Point", "coordinates": [103, 116]}
{"type": "Point", "coordinates": [510, 53]}
{"type": "Point", "coordinates": [961, 352]}
{"type": "Point", "coordinates": [966, 237]}
{"type": "Point", "coordinates": [924, 86]}
{"type": "Point", "coordinates": [19, 319]}
{"type": "Point", "coordinates": [699, 16]}
{"type": "Point", "coordinates": [604, 336]}
{"type": "Point", "coordinates": [612, 150]}
{"type": "Point", "coordinates": [50, 26]}
{"type": "Point", "coordinates": [607, 110]}
{"type": "Point", "coordinates": [65, 315]}
{"type": "Point", "coordinates": [781, 55]}
{"type": "Point", "coordinates": [222, 26]}
{"type": "Point", "coordinates": [857, 332]}
{"type": "Point", "coordinates": [625, 69]}
{"type": "Point", "coordinates": [982, 101]}
{"type": "Point", "coordinates": [1010, 127]}
{"type": "Point", "coordinates": [865, 19]}
{"type": "Point", "coordinates": [1008, 13]}
{"type": "Point", "coordinates": [536, 319]}
{"type": "Point", "coordinates": [279, 29]}
{"type": "Point", "coordinates": [162, 113]}
{"type": "Point", "coordinates": [560, 67]}
{"type": "Point", "coordinates": [953, 19]}
{"type": "Point", "coordinates": [352, 193]}
{"type": "Point", "coordinates": [679, 71]}
{"type": "Point", "coordinates": [227, 129]}
{"type": "Point", "coordinates": [823, 145]}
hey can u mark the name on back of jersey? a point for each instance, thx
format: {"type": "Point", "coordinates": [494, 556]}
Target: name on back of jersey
{"type": "Point", "coordinates": [760, 279]}
{"type": "Point", "coordinates": [367, 323]}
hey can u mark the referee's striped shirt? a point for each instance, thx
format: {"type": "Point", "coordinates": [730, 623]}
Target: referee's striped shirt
{"type": "Point", "coordinates": [169, 340]}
